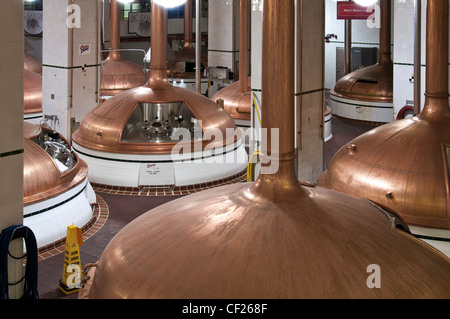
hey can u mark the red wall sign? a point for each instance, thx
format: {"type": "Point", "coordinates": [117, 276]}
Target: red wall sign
{"type": "Point", "coordinates": [348, 10]}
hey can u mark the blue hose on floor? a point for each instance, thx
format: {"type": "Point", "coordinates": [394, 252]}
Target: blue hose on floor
{"type": "Point", "coordinates": [31, 269]}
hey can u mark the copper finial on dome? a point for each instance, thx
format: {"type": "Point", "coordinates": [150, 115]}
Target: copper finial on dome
{"type": "Point", "coordinates": [273, 238]}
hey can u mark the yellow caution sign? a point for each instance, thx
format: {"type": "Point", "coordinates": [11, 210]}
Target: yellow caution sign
{"type": "Point", "coordinates": [71, 281]}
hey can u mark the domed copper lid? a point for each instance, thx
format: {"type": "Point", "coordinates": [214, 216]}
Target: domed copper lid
{"type": "Point", "coordinates": [117, 74]}
{"type": "Point", "coordinates": [273, 238]}
{"type": "Point", "coordinates": [43, 178]}
{"type": "Point", "coordinates": [32, 92]}
{"type": "Point", "coordinates": [372, 83]}
{"type": "Point", "coordinates": [404, 165]}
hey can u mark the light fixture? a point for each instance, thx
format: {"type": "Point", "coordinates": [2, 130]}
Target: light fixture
{"type": "Point", "coordinates": [170, 3]}
{"type": "Point", "coordinates": [366, 3]}
{"type": "Point", "coordinates": [125, 1]}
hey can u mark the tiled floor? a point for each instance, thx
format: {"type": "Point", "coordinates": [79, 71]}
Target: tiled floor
{"type": "Point", "coordinates": [118, 207]}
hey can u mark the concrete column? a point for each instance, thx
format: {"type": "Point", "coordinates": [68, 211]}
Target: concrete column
{"type": "Point", "coordinates": [223, 40]}
{"type": "Point", "coordinates": [403, 54]}
{"type": "Point", "coordinates": [11, 131]}
{"type": "Point", "coordinates": [310, 95]}
{"type": "Point", "coordinates": [70, 62]}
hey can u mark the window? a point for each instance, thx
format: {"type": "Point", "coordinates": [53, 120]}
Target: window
{"type": "Point", "coordinates": [129, 7]}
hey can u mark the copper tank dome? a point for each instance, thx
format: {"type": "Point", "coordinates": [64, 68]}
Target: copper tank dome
{"type": "Point", "coordinates": [372, 83]}
{"type": "Point", "coordinates": [32, 64]}
{"type": "Point", "coordinates": [273, 238]}
{"type": "Point", "coordinates": [237, 96]}
{"type": "Point", "coordinates": [404, 165]}
{"type": "Point", "coordinates": [117, 74]}
{"type": "Point", "coordinates": [42, 177]}
{"type": "Point", "coordinates": [32, 92]}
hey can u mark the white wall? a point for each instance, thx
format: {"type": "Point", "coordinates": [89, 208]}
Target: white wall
{"type": "Point", "coordinates": [403, 54]}
{"type": "Point", "coordinates": [223, 21]}
{"type": "Point", "coordinates": [58, 46]}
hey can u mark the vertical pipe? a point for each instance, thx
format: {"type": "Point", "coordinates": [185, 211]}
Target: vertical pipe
{"type": "Point", "coordinates": [417, 56]}
{"type": "Point", "coordinates": [158, 43]}
{"type": "Point", "coordinates": [278, 101]}
{"type": "Point", "coordinates": [348, 47]}
{"type": "Point", "coordinates": [198, 48]}
{"type": "Point", "coordinates": [114, 30]}
{"type": "Point", "coordinates": [97, 58]}
{"type": "Point", "coordinates": [243, 46]}
{"type": "Point", "coordinates": [385, 32]}
{"type": "Point", "coordinates": [437, 92]}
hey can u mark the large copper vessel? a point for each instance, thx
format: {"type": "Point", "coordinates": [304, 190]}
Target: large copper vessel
{"type": "Point", "coordinates": [273, 238]}
{"type": "Point", "coordinates": [237, 96]}
{"type": "Point", "coordinates": [117, 74]}
{"type": "Point", "coordinates": [42, 177]}
{"type": "Point", "coordinates": [143, 120]}
{"type": "Point", "coordinates": [372, 83]}
{"type": "Point", "coordinates": [404, 165]}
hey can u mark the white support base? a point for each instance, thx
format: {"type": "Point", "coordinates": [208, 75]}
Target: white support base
{"type": "Point", "coordinates": [161, 170]}
{"type": "Point", "coordinates": [49, 219]}
{"type": "Point", "coordinates": [362, 110]}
